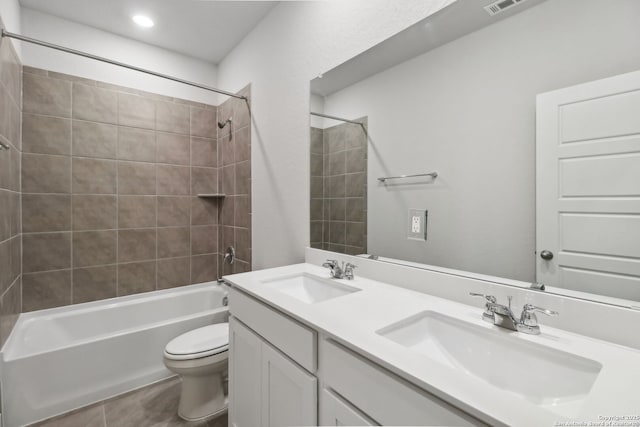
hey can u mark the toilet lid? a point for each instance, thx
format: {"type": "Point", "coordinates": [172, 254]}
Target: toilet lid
{"type": "Point", "coordinates": [201, 342]}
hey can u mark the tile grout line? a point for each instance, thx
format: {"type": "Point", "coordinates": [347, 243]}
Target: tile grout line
{"type": "Point", "coordinates": [117, 196]}
{"type": "Point", "coordinates": [71, 276]}
{"type": "Point", "coordinates": [190, 192]}
{"type": "Point", "coordinates": [155, 169]}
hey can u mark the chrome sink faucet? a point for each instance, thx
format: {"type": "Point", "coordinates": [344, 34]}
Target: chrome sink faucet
{"type": "Point", "coordinates": [501, 315]}
{"type": "Point", "coordinates": [340, 272]}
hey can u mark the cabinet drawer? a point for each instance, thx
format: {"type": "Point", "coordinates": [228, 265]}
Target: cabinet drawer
{"type": "Point", "coordinates": [336, 412]}
{"type": "Point", "coordinates": [386, 398]}
{"type": "Point", "coordinates": [292, 338]}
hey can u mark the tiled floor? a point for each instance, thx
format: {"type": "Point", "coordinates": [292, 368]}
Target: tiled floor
{"type": "Point", "coordinates": [152, 406]}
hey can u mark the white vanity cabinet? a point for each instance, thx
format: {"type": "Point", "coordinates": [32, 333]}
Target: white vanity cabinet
{"type": "Point", "coordinates": [271, 364]}
{"type": "Point", "coordinates": [266, 388]}
{"type": "Point", "coordinates": [278, 366]}
{"type": "Point", "coordinates": [335, 411]}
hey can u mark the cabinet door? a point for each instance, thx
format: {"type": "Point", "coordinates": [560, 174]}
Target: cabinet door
{"type": "Point", "coordinates": [244, 375]}
{"type": "Point", "coordinates": [336, 412]}
{"type": "Point", "coordinates": [289, 393]}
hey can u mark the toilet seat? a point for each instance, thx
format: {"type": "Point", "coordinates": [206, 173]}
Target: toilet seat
{"type": "Point", "coordinates": [199, 343]}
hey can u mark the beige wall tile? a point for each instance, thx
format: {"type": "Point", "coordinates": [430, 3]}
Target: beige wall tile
{"type": "Point", "coordinates": [243, 145]}
{"type": "Point", "coordinates": [173, 210]}
{"type": "Point", "coordinates": [46, 251]}
{"type": "Point", "coordinates": [136, 245]}
{"type": "Point", "coordinates": [173, 180]}
{"type": "Point", "coordinates": [46, 290]}
{"type": "Point", "coordinates": [204, 239]}
{"type": "Point", "coordinates": [204, 211]}
{"type": "Point", "coordinates": [174, 272]}
{"type": "Point", "coordinates": [92, 139]}
{"type": "Point", "coordinates": [204, 268]}
{"type": "Point", "coordinates": [228, 183]}
{"type": "Point", "coordinates": [43, 173]}
{"type": "Point", "coordinates": [204, 152]}
{"type": "Point", "coordinates": [227, 214]}
{"type": "Point", "coordinates": [45, 134]}
{"type": "Point", "coordinates": [6, 202]}
{"type": "Point", "coordinates": [93, 212]}
{"type": "Point", "coordinates": [204, 180]}
{"type": "Point", "coordinates": [243, 244]}
{"type": "Point", "coordinates": [172, 117]}
{"type": "Point", "coordinates": [94, 103]}
{"type": "Point", "coordinates": [5, 266]}
{"type": "Point", "coordinates": [94, 283]}
{"type": "Point", "coordinates": [136, 111]}
{"type": "Point", "coordinates": [136, 144]}
{"type": "Point", "coordinates": [10, 118]}
{"type": "Point", "coordinates": [226, 155]}
{"type": "Point", "coordinates": [173, 242]}
{"type": "Point", "coordinates": [136, 211]}
{"type": "Point", "coordinates": [243, 178]}
{"type": "Point", "coordinates": [136, 277]}
{"type": "Point", "coordinates": [44, 213]}
{"type": "Point", "coordinates": [203, 122]}
{"type": "Point", "coordinates": [47, 96]}
{"type": "Point", "coordinates": [136, 178]}
{"type": "Point", "coordinates": [10, 309]}
{"type": "Point", "coordinates": [92, 176]}
{"type": "Point", "coordinates": [94, 248]}
{"type": "Point", "coordinates": [173, 148]}
{"type": "Point", "coordinates": [10, 70]}
{"type": "Point", "coordinates": [243, 211]}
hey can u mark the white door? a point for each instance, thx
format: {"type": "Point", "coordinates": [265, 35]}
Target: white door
{"type": "Point", "coordinates": [336, 412]}
{"type": "Point", "coordinates": [588, 187]}
{"type": "Point", "coordinates": [244, 376]}
{"type": "Point", "coordinates": [289, 393]}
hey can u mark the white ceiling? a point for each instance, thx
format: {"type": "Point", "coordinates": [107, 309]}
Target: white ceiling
{"type": "Point", "coordinates": [205, 29]}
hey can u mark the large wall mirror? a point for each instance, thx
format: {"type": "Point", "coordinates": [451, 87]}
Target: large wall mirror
{"type": "Point", "coordinates": [454, 100]}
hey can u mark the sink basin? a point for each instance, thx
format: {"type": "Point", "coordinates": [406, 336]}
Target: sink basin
{"type": "Point", "coordinates": [309, 288]}
{"type": "Point", "coordinates": [547, 377]}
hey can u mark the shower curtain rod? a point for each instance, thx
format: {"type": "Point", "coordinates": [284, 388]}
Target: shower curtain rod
{"type": "Point", "coordinates": [119, 64]}
{"type": "Point", "coordinates": [326, 116]}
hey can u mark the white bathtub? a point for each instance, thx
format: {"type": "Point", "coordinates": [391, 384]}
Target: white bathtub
{"type": "Point", "coordinates": [63, 358]}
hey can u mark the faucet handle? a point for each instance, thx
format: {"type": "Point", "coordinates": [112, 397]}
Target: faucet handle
{"type": "Point", "coordinates": [330, 263]}
{"type": "Point", "coordinates": [488, 315]}
{"type": "Point", "coordinates": [489, 298]}
{"type": "Point", "coordinates": [530, 308]}
{"type": "Point", "coordinates": [348, 270]}
{"type": "Point", "coordinates": [529, 321]}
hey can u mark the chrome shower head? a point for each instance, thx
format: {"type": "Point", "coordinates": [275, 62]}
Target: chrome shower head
{"type": "Point", "coordinates": [221, 125]}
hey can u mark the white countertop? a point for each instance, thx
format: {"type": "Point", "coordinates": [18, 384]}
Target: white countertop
{"type": "Point", "coordinates": [353, 319]}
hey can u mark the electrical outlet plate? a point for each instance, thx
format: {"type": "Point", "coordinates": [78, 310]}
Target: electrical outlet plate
{"type": "Point", "coordinates": [417, 224]}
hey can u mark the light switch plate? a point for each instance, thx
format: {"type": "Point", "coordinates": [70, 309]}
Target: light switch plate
{"type": "Point", "coordinates": [417, 224]}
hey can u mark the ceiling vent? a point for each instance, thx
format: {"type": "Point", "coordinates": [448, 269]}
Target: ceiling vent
{"type": "Point", "coordinates": [501, 6]}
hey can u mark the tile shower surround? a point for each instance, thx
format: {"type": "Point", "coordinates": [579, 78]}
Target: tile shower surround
{"type": "Point", "coordinates": [339, 188]}
{"type": "Point", "coordinates": [110, 177]}
{"type": "Point", "coordinates": [10, 229]}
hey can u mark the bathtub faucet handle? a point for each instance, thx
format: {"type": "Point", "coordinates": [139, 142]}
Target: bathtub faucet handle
{"type": "Point", "coordinates": [230, 255]}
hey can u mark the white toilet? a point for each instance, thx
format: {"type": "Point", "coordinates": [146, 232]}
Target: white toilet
{"type": "Point", "coordinates": [200, 358]}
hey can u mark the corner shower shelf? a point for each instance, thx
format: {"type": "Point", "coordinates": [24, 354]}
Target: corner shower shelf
{"type": "Point", "coordinates": [213, 196]}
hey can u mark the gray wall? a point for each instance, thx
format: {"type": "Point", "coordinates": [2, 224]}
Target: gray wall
{"type": "Point", "coordinates": [10, 238]}
{"type": "Point", "coordinates": [467, 110]}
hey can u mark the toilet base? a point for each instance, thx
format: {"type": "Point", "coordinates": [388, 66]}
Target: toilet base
{"type": "Point", "coordinates": [216, 414]}
{"type": "Point", "coordinates": [202, 396]}
{"type": "Point", "coordinates": [203, 386]}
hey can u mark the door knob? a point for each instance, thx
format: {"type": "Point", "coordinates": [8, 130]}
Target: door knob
{"type": "Point", "coordinates": [546, 255]}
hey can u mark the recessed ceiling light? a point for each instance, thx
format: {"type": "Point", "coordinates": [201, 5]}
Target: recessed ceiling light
{"type": "Point", "coordinates": [143, 21]}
